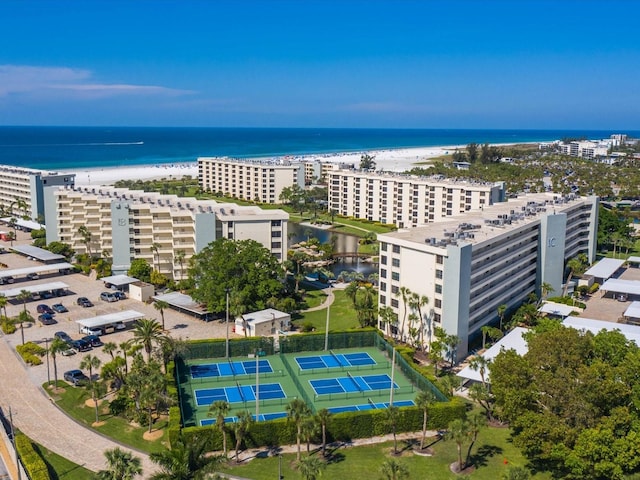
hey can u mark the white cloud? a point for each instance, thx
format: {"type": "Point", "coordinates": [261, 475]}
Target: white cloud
{"type": "Point", "coordinates": [41, 81]}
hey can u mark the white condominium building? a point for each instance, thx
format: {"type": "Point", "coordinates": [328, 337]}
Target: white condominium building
{"type": "Point", "coordinates": [253, 180]}
{"type": "Point", "coordinates": [29, 188]}
{"type": "Point", "coordinates": [469, 265]}
{"type": "Point", "coordinates": [407, 200]}
{"type": "Point", "coordinates": [165, 230]}
{"type": "Point", "coordinates": [585, 149]}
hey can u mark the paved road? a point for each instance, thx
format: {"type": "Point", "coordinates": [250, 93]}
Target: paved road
{"type": "Point", "coordinates": [37, 417]}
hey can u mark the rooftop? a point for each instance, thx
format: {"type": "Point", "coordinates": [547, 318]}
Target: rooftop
{"type": "Point", "coordinates": [438, 179]}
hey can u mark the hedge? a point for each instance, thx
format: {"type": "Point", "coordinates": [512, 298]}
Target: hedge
{"type": "Point", "coordinates": [175, 422]}
{"type": "Point", "coordinates": [32, 462]}
{"type": "Point", "coordinates": [8, 327]}
{"type": "Point", "coordinates": [31, 353]}
{"type": "Point", "coordinates": [341, 427]}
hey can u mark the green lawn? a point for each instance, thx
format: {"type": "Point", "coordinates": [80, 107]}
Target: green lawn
{"type": "Point", "coordinates": [60, 468]}
{"type": "Point", "coordinates": [490, 453]}
{"type": "Point", "coordinates": [341, 317]}
{"type": "Point", "coordinates": [313, 297]}
{"type": "Point", "coordinates": [72, 401]}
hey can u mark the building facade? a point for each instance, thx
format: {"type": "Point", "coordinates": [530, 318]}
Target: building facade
{"type": "Point", "coordinates": [165, 230]}
{"type": "Point", "coordinates": [24, 192]}
{"type": "Point", "coordinates": [589, 150]}
{"type": "Point", "coordinates": [469, 265]}
{"type": "Point", "coordinates": [407, 200]}
{"type": "Point", "coordinates": [252, 180]}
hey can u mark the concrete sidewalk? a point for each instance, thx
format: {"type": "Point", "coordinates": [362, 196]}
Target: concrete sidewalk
{"type": "Point", "coordinates": [35, 414]}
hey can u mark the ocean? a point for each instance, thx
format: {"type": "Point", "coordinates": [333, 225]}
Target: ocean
{"type": "Point", "coordinates": [54, 148]}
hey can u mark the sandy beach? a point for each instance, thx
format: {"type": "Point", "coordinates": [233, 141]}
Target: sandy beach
{"type": "Point", "coordinates": [394, 160]}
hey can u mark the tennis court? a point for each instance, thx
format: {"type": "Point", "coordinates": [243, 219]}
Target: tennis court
{"type": "Point", "coordinates": [238, 393]}
{"type": "Point", "coordinates": [263, 417]}
{"type": "Point", "coordinates": [333, 360]}
{"type": "Point", "coordinates": [370, 406]}
{"type": "Point", "coordinates": [229, 369]}
{"type": "Point", "coordinates": [327, 386]}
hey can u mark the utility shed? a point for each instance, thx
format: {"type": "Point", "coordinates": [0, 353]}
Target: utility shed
{"type": "Point", "coordinates": [263, 323]}
{"type": "Point", "coordinates": [141, 291]}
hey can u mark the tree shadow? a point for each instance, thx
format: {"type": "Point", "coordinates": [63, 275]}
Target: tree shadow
{"type": "Point", "coordinates": [334, 457]}
{"type": "Point", "coordinates": [479, 459]}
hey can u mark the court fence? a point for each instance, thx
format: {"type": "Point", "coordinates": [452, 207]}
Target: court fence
{"type": "Point", "coordinates": [238, 347]}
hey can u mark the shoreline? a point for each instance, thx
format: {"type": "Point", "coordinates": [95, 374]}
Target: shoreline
{"type": "Point", "coordinates": [390, 160]}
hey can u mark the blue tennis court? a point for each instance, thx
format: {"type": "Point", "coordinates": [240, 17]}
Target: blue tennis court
{"type": "Point", "coordinates": [334, 360]}
{"type": "Point", "coordinates": [263, 417]}
{"type": "Point", "coordinates": [370, 406]}
{"type": "Point", "coordinates": [238, 393]}
{"type": "Point", "coordinates": [350, 383]}
{"type": "Point", "coordinates": [229, 369]}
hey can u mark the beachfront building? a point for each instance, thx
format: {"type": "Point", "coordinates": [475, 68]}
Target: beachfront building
{"type": "Point", "coordinates": [407, 200]}
{"type": "Point", "coordinates": [165, 230]}
{"type": "Point", "coordinates": [589, 150]}
{"type": "Point", "coordinates": [248, 179]}
{"type": "Point", "coordinates": [470, 264]}
{"type": "Point", "coordinates": [23, 191]}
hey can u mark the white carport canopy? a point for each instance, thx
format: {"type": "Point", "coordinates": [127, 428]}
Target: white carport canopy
{"type": "Point", "coordinates": [181, 301]}
{"type": "Point", "coordinates": [630, 287]}
{"type": "Point", "coordinates": [633, 259]}
{"type": "Point", "coordinates": [119, 280]}
{"type": "Point", "coordinates": [558, 309]}
{"type": "Point", "coordinates": [633, 311]}
{"type": "Point", "coordinates": [43, 287]}
{"type": "Point", "coordinates": [102, 320]}
{"type": "Point", "coordinates": [512, 341]}
{"type": "Point", "coordinates": [37, 253]}
{"type": "Point", "coordinates": [631, 332]}
{"type": "Point", "coordinates": [605, 268]}
{"type": "Point", "coordinates": [38, 269]}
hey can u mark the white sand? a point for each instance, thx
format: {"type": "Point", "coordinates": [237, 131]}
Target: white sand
{"type": "Point", "coordinates": [395, 160]}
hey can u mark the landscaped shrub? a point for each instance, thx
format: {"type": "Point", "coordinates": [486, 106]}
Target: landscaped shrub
{"type": "Point", "coordinates": [8, 327]}
{"type": "Point", "coordinates": [594, 288]}
{"type": "Point", "coordinates": [33, 463]}
{"type": "Point", "coordinates": [568, 301]}
{"type": "Point", "coordinates": [31, 353]}
{"type": "Point", "coordinates": [175, 421]}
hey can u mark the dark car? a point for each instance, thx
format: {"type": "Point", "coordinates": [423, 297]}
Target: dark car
{"type": "Point", "coordinates": [47, 319]}
{"type": "Point", "coordinates": [108, 297]}
{"type": "Point", "coordinates": [32, 276]}
{"type": "Point", "coordinates": [60, 292]}
{"type": "Point", "coordinates": [75, 377]}
{"type": "Point", "coordinates": [42, 308]}
{"type": "Point", "coordinates": [46, 294]}
{"type": "Point", "coordinates": [81, 345]}
{"type": "Point", "coordinates": [93, 340]}
{"type": "Point", "coordinates": [84, 302]}
{"type": "Point", "coordinates": [120, 295]}
{"type": "Point", "coordinates": [63, 336]}
{"type": "Point", "coordinates": [59, 308]}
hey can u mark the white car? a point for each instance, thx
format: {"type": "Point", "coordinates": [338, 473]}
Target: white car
{"type": "Point", "coordinates": [91, 331]}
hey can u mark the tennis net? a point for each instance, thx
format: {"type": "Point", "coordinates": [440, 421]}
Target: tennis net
{"type": "Point", "coordinates": [354, 381]}
{"type": "Point", "coordinates": [240, 391]}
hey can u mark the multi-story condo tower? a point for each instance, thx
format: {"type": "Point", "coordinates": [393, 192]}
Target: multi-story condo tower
{"type": "Point", "coordinates": [23, 191]}
{"type": "Point", "coordinates": [253, 180]}
{"type": "Point", "coordinates": [407, 200]}
{"type": "Point", "coordinates": [166, 230]}
{"type": "Point", "coordinates": [469, 265]}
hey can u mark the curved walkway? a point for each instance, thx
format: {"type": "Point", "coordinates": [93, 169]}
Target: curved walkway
{"type": "Point", "coordinates": [35, 414]}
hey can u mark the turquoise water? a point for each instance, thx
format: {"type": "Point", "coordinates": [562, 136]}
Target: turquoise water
{"type": "Point", "coordinates": [85, 147]}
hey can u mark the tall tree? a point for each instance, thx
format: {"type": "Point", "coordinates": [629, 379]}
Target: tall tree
{"type": "Point", "coordinates": [220, 409]}
{"type": "Point", "coordinates": [91, 363]}
{"type": "Point", "coordinates": [502, 309]}
{"type": "Point", "coordinates": [324, 417]}
{"type": "Point", "coordinates": [87, 238]}
{"type": "Point", "coordinates": [180, 257]}
{"type": "Point", "coordinates": [241, 428]}
{"type": "Point", "coordinates": [186, 460]}
{"type": "Point", "coordinates": [416, 302]}
{"type": "Point", "coordinates": [367, 162]}
{"type": "Point", "coordinates": [392, 415]}
{"type": "Point", "coordinates": [393, 469]}
{"type": "Point", "coordinates": [57, 346]}
{"type": "Point", "coordinates": [458, 431]}
{"type": "Point", "coordinates": [577, 266]}
{"type": "Point", "coordinates": [297, 411]}
{"type": "Point", "coordinates": [405, 294]}
{"type": "Point", "coordinates": [121, 465]}
{"type": "Point", "coordinates": [155, 248]}
{"type": "Point", "coordinates": [424, 401]}
{"type": "Point", "coordinates": [161, 306]}
{"type": "Point", "coordinates": [311, 467]}
{"type": "Point", "coordinates": [148, 333]}
{"type": "Point", "coordinates": [23, 317]}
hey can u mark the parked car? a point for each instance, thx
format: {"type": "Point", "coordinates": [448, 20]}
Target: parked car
{"type": "Point", "coordinates": [60, 292]}
{"type": "Point", "coordinates": [81, 345]}
{"type": "Point", "coordinates": [46, 294]}
{"type": "Point", "coordinates": [91, 331]}
{"type": "Point", "coordinates": [59, 308]}
{"type": "Point", "coordinates": [63, 336]}
{"type": "Point", "coordinates": [120, 295]}
{"type": "Point", "coordinates": [67, 352]}
{"type": "Point", "coordinates": [42, 308]}
{"type": "Point", "coordinates": [47, 319]}
{"type": "Point", "coordinates": [93, 340]}
{"type": "Point", "coordinates": [84, 302]}
{"type": "Point", "coordinates": [75, 377]}
{"type": "Point", "coordinates": [108, 297]}
{"type": "Point", "coordinates": [119, 326]}
{"type": "Point", "coordinates": [32, 276]}
{"type": "Point", "coordinates": [8, 279]}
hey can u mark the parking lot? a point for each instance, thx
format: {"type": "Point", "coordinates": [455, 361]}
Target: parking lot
{"type": "Point", "coordinates": [177, 325]}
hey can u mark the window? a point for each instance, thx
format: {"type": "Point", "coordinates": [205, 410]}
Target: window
{"type": "Point", "coordinates": [383, 273]}
{"type": "Point", "coordinates": [394, 302]}
{"type": "Point", "coordinates": [395, 276]}
{"type": "Point", "coordinates": [394, 289]}
{"type": "Point", "coordinates": [395, 262]}
{"type": "Point", "coordinates": [276, 234]}
{"type": "Point", "coordinates": [383, 300]}
{"type": "Point", "coordinates": [438, 273]}
{"type": "Point", "coordinates": [438, 288]}
{"type": "Point", "coordinates": [439, 259]}
{"type": "Point", "coordinates": [383, 259]}
{"type": "Point", "coordinates": [437, 318]}
{"type": "Point", "coordinates": [438, 303]}
{"type": "Point", "coordinates": [383, 286]}
{"type": "Point", "coordinates": [276, 223]}
{"type": "Point", "coordinates": [396, 248]}
{"type": "Point", "coordinates": [276, 244]}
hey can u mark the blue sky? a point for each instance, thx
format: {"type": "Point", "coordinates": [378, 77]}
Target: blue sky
{"type": "Point", "coordinates": [348, 63]}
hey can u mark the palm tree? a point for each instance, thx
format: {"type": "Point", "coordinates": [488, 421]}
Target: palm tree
{"type": "Point", "coordinates": [86, 239]}
{"type": "Point", "coordinates": [155, 247]}
{"type": "Point", "coordinates": [161, 305]}
{"type": "Point", "coordinates": [179, 257]}
{"type": "Point", "coordinates": [220, 409]}
{"type": "Point", "coordinates": [57, 346]}
{"type": "Point", "coordinates": [109, 347]}
{"type": "Point", "coordinates": [392, 469]}
{"type": "Point", "coordinates": [121, 465]}
{"type": "Point", "coordinates": [404, 293]}
{"type": "Point", "coordinates": [459, 432]}
{"type": "Point", "coordinates": [310, 428]}
{"type": "Point", "coordinates": [323, 415]}
{"type": "Point", "coordinates": [128, 347]}
{"type": "Point", "coordinates": [391, 419]}
{"type": "Point", "coordinates": [241, 427]}
{"type": "Point", "coordinates": [23, 317]}
{"type": "Point", "coordinates": [576, 266]}
{"type": "Point", "coordinates": [416, 302]}
{"type": "Point", "coordinates": [185, 460]}
{"type": "Point", "coordinates": [311, 467]}
{"type": "Point", "coordinates": [479, 364]}
{"type": "Point", "coordinates": [237, 308]}
{"type": "Point", "coordinates": [424, 400]}
{"type": "Point", "coordinates": [502, 309]}
{"type": "Point", "coordinates": [89, 362]}
{"type": "Point", "coordinates": [475, 423]}
{"type": "Point", "coordinates": [97, 389]}
{"type": "Point", "coordinates": [388, 316]}
{"type": "Point", "coordinates": [147, 332]}
{"type": "Point", "coordinates": [485, 331]}
{"type": "Point", "coordinates": [545, 290]}
{"type": "Point", "coordinates": [351, 291]}
{"type": "Point", "coordinates": [23, 296]}
{"type": "Point", "coordinates": [297, 410]}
